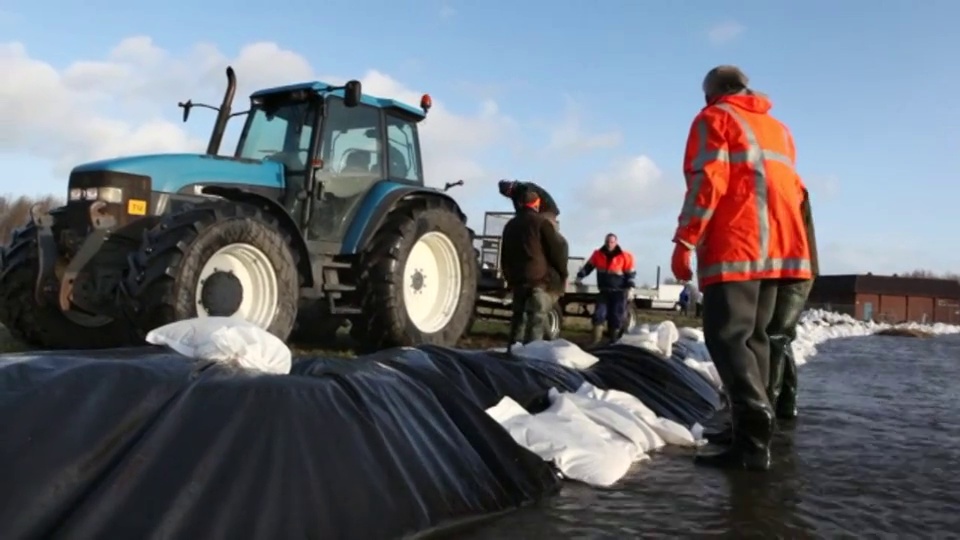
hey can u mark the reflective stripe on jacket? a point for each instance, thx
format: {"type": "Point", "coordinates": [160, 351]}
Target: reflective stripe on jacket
{"type": "Point", "coordinates": [742, 210]}
{"type": "Point", "coordinates": [615, 268]}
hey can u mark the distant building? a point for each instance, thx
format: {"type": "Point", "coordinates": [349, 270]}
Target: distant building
{"type": "Point", "coordinates": [889, 299]}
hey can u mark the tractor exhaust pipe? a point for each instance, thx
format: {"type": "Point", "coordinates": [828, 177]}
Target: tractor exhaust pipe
{"type": "Point", "coordinates": [223, 115]}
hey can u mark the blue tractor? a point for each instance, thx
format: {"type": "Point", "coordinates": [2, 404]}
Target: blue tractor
{"type": "Point", "coordinates": [320, 219]}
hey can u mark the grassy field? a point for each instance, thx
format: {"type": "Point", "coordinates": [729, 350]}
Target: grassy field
{"type": "Point", "coordinates": [485, 334]}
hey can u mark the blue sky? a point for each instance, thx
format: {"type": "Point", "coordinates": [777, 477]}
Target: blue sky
{"type": "Point", "coordinates": [867, 91]}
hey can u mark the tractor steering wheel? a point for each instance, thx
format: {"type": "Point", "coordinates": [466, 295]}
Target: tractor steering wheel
{"type": "Point", "coordinates": [346, 156]}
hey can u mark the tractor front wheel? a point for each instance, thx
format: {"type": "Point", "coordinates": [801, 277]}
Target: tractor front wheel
{"type": "Point", "coordinates": [45, 326]}
{"type": "Point", "coordinates": [419, 281]}
{"type": "Point", "coordinates": [217, 259]}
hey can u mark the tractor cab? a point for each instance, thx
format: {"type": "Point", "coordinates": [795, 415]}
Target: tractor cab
{"type": "Point", "coordinates": [334, 144]}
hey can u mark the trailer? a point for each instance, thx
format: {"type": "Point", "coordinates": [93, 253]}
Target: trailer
{"type": "Point", "coordinates": [494, 298]}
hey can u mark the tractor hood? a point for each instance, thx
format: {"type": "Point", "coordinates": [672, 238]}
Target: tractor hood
{"type": "Point", "coordinates": [172, 173]}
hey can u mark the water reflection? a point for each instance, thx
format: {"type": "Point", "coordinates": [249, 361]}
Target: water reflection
{"type": "Point", "coordinates": [873, 454]}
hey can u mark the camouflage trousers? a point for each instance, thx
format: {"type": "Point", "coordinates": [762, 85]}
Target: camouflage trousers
{"type": "Point", "coordinates": [782, 386]}
{"type": "Point", "coordinates": [531, 307]}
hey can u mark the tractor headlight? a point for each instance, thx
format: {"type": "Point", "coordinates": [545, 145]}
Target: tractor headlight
{"type": "Point", "coordinates": [110, 195]}
{"type": "Point", "coordinates": [106, 194]}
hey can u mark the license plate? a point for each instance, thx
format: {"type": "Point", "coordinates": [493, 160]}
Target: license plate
{"type": "Point", "coordinates": [137, 207]}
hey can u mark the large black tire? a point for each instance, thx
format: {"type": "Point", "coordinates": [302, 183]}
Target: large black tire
{"type": "Point", "coordinates": [164, 273]}
{"type": "Point", "coordinates": [46, 327]}
{"type": "Point", "coordinates": [385, 321]}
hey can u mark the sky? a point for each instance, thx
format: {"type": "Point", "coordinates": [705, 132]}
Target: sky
{"type": "Point", "coordinates": [592, 103]}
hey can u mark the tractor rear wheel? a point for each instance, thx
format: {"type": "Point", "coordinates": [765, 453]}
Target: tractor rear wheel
{"type": "Point", "coordinates": [419, 279]}
{"type": "Point", "coordinates": [216, 259]}
{"type": "Point", "coordinates": [46, 327]}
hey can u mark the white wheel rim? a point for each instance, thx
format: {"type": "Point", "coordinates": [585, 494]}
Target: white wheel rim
{"type": "Point", "coordinates": [432, 282]}
{"type": "Point", "coordinates": [257, 278]}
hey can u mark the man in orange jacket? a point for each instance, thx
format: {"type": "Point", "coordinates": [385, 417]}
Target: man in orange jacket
{"type": "Point", "coordinates": [742, 215]}
{"type": "Point", "coordinates": [616, 276]}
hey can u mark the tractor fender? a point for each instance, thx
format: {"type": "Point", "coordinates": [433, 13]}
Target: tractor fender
{"type": "Point", "coordinates": [379, 202]}
{"type": "Point", "coordinates": [274, 209]}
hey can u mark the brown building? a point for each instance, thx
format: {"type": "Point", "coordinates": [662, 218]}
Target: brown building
{"type": "Point", "coordinates": [889, 299]}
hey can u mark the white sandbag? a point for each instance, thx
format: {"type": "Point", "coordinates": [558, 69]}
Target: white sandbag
{"type": "Point", "coordinates": [669, 431]}
{"type": "Point", "coordinates": [623, 427]}
{"type": "Point", "coordinates": [225, 339]}
{"type": "Point", "coordinates": [667, 335]}
{"type": "Point", "coordinates": [693, 334]}
{"type": "Point", "coordinates": [658, 339]}
{"type": "Point", "coordinates": [641, 340]}
{"type": "Point", "coordinates": [564, 435]}
{"type": "Point", "coordinates": [707, 370]}
{"type": "Point", "coordinates": [561, 351]}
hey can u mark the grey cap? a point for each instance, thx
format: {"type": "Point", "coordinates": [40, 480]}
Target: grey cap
{"type": "Point", "coordinates": [723, 80]}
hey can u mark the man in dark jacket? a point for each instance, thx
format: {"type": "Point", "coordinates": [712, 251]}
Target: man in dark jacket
{"type": "Point", "coordinates": [516, 191]}
{"type": "Point", "coordinates": [531, 251]}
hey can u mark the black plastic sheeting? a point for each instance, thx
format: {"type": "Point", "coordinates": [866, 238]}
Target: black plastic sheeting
{"type": "Point", "coordinates": [142, 443]}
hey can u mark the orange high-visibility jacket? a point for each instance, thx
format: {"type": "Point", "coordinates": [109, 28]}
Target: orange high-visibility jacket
{"type": "Point", "coordinates": [742, 210]}
{"type": "Point", "coordinates": [615, 269]}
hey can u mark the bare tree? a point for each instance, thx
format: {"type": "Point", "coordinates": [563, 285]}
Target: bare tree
{"type": "Point", "coordinates": [15, 212]}
{"type": "Point", "coordinates": [929, 274]}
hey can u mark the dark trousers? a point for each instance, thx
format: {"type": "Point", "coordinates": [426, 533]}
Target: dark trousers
{"type": "Point", "coordinates": [782, 386]}
{"type": "Point", "coordinates": [530, 309]}
{"type": "Point", "coordinates": [611, 308]}
{"type": "Point", "coordinates": [735, 320]}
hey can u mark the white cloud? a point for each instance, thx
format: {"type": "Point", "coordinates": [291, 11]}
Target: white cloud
{"type": "Point", "coordinates": [725, 32]}
{"type": "Point", "coordinates": [125, 103]}
{"type": "Point", "coordinates": [569, 138]}
{"type": "Point", "coordinates": [631, 198]}
{"type": "Point", "coordinates": [634, 188]}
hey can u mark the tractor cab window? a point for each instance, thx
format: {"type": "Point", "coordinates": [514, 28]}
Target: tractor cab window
{"type": "Point", "coordinates": [278, 133]}
{"type": "Point", "coordinates": [403, 157]}
{"type": "Point", "coordinates": [352, 163]}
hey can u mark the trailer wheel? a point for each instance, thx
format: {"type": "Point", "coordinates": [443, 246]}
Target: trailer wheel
{"type": "Point", "coordinates": [418, 279]}
{"type": "Point", "coordinates": [216, 259]}
{"type": "Point", "coordinates": [46, 327]}
{"type": "Point", "coordinates": [632, 319]}
{"type": "Point", "coordinates": [554, 323]}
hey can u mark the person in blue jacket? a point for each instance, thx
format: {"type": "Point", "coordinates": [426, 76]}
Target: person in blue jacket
{"type": "Point", "coordinates": [684, 300]}
{"type": "Point", "coordinates": [616, 277]}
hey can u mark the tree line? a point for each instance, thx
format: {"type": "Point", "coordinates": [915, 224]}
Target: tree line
{"type": "Point", "coordinates": [15, 212]}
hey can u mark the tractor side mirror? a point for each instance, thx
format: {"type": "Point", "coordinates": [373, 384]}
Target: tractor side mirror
{"type": "Point", "coordinates": [352, 93]}
{"type": "Point", "coordinates": [186, 109]}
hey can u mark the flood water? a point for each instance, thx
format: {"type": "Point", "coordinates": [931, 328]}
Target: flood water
{"type": "Point", "coordinates": [876, 452]}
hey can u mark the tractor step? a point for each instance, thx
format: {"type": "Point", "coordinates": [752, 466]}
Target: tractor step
{"type": "Point", "coordinates": [340, 265]}
{"type": "Point", "coordinates": [346, 311]}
